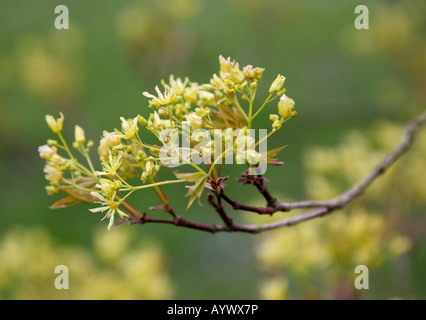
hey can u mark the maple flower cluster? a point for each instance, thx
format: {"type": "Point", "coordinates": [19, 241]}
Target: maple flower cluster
{"type": "Point", "coordinates": [198, 128]}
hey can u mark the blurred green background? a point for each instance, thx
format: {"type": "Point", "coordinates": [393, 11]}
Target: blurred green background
{"type": "Point", "coordinates": [341, 78]}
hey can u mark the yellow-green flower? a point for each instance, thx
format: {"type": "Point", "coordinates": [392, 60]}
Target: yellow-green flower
{"type": "Point", "coordinates": [195, 121]}
{"type": "Point", "coordinates": [108, 187]}
{"type": "Point", "coordinates": [108, 204]}
{"type": "Point", "coordinates": [129, 127]}
{"type": "Point", "coordinates": [111, 166]}
{"type": "Point", "coordinates": [55, 124]}
{"type": "Point", "coordinates": [53, 174]}
{"type": "Point", "coordinates": [46, 152]}
{"type": "Point", "coordinates": [253, 73]}
{"type": "Point", "coordinates": [108, 141]}
{"type": "Point", "coordinates": [231, 70]}
{"type": "Point", "coordinates": [191, 93]}
{"type": "Point", "coordinates": [178, 85]}
{"type": "Point", "coordinates": [163, 99]}
{"type": "Point", "coordinates": [207, 98]}
{"type": "Point", "coordinates": [156, 124]}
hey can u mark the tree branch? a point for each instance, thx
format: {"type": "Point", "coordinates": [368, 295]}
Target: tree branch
{"type": "Point", "coordinates": [177, 221]}
{"type": "Point", "coordinates": [355, 191]}
{"type": "Point", "coordinates": [220, 210]}
{"type": "Point", "coordinates": [320, 208]}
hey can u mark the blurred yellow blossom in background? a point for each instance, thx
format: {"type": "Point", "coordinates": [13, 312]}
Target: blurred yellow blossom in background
{"type": "Point", "coordinates": [44, 64]}
{"type": "Point", "coordinates": [116, 268]}
{"type": "Point", "coordinates": [155, 36]}
{"type": "Point", "coordinates": [318, 258]}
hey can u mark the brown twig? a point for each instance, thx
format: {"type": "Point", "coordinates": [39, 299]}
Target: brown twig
{"type": "Point", "coordinates": [177, 221]}
{"type": "Point", "coordinates": [353, 192]}
{"type": "Point", "coordinates": [220, 210]}
{"type": "Point", "coordinates": [320, 208]}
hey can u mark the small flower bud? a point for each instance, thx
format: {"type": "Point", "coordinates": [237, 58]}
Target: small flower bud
{"type": "Point", "coordinates": [258, 73]}
{"type": "Point", "coordinates": [230, 92]}
{"type": "Point", "coordinates": [154, 105]}
{"type": "Point", "coordinates": [276, 125]}
{"type": "Point", "coordinates": [52, 143]}
{"type": "Point", "coordinates": [273, 117]}
{"type": "Point", "coordinates": [142, 121]}
{"type": "Point", "coordinates": [229, 83]}
{"type": "Point", "coordinates": [141, 155]}
{"type": "Point", "coordinates": [51, 190]}
{"type": "Point", "coordinates": [285, 106]}
{"type": "Point", "coordinates": [55, 124]}
{"type": "Point", "coordinates": [202, 112]}
{"type": "Point", "coordinates": [149, 166]}
{"type": "Point", "coordinates": [248, 71]}
{"type": "Point", "coordinates": [80, 138]}
{"type": "Point", "coordinates": [277, 84]}
{"type": "Point", "coordinates": [144, 176]}
{"type": "Point", "coordinates": [46, 152]}
{"type": "Point", "coordinates": [163, 112]}
{"type": "Point", "coordinates": [281, 92]}
{"type": "Point", "coordinates": [90, 144]}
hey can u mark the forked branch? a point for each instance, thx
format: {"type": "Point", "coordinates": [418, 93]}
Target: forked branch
{"type": "Point", "coordinates": [320, 208]}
